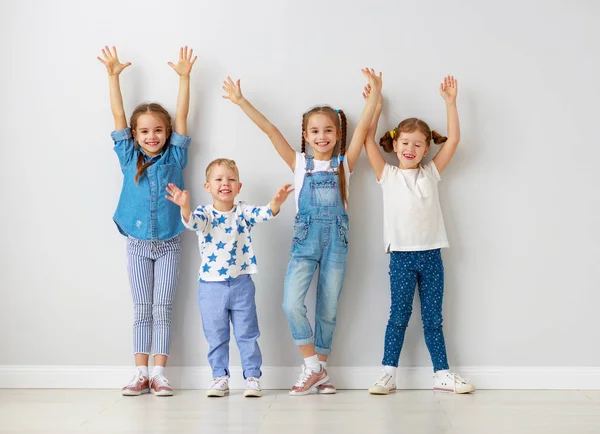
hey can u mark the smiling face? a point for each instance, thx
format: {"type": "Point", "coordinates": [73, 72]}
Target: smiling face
{"type": "Point", "coordinates": [411, 148]}
{"type": "Point", "coordinates": [223, 184]}
{"type": "Point", "coordinates": [322, 132]}
{"type": "Point", "coordinates": [150, 133]}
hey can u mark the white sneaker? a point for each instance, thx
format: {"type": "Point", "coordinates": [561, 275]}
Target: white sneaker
{"type": "Point", "coordinates": [451, 382]}
{"type": "Point", "coordinates": [252, 388]}
{"type": "Point", "coordinates": [384, 385]}
{"type": "Point", "coordinates": [219, 387]}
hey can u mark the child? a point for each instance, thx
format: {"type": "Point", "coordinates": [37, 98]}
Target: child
{"type": "Point", "coordinates": [321, 223]}
{"type": "Point", "coordinates": [414, 233]}
{"type": "Point", "coordinates": [151, 156]}
{"type": "Point", "coordinates": [226, 290]}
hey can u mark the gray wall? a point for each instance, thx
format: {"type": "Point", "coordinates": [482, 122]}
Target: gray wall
{"type": "Point", "coordinates": [520, 199]}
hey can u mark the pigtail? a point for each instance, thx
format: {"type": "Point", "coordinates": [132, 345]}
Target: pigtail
{"type": "Point", "coordinates": [141, 167]}
{"type": "Point", "coordinates": [302, 142]}
{"type": "Point", "coordinates": [387, 141]}
{"type": "Point", "coordinates": [438, 138]}
{"type": "Point", "coordinates": [342, 169]}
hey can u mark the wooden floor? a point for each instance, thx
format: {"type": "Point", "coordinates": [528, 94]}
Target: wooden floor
{"type": "Point", "coordinates": [352, 411]}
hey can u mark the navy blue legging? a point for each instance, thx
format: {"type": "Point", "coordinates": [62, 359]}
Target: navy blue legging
{"type": "Point", "coordinates": [408, 270]}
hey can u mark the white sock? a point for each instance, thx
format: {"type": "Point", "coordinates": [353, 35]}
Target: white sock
{"type": "Point", "coordinates": [391, 370]}
{"type": "Point", "coordinates": [312, 363]}
{"type": "Point", "coordinates": [158, 370]}
{"type": "Point", "coordinates": [323, 364]}
{"type": "Point", "coordinates": [143, 369]}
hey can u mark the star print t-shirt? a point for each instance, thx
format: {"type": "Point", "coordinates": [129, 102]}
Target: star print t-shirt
{"type": "Point", "coordinates": [224, 239]}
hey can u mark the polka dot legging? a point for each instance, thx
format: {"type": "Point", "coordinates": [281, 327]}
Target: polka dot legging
{"type": "Point", "coordinates": [407, 270]}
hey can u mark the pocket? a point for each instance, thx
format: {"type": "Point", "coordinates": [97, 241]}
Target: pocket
{"type": "Point", "coordinates": [344, 228]}
{"type": "Point", "coordinates": [170, 173]}
{"type": "Point", "coordinates": [300, 230]}
{"type": "Point", "coordinates": [325, 194]}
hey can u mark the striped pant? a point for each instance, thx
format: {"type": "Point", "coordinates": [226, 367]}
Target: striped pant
{"type": "Point", "coordinates": [153, 268]}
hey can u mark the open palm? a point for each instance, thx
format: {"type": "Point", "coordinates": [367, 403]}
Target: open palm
{"type": "Point", "coordinates": [449, 89]}
{"type": "Point", "coordinates": [234, 91]}
{"type": "Point", "coordinates": [185, 62]}
{"type": "Point", "coordinates": [178, 196]}
{"type": "Point", "coordinates": [111, 61]}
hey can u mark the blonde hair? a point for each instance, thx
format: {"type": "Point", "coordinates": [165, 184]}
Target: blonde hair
{"type": "Point", "coordinates": [225, 162]}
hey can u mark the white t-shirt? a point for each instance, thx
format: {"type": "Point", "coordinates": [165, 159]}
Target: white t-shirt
{"type": "Point", "coordinates": [412, 216]}
{"type": "Point", "coordinates": [319, 166]}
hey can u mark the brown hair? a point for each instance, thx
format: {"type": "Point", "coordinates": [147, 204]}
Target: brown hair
{"type": "Point", "coordinates": [154, 109]}
{"type": "Point", "coordinates": [230, 164]}
{"type": "Point", "coordinates": [410, 125]}
{"type": "Point", "coordinates": [339, 120]}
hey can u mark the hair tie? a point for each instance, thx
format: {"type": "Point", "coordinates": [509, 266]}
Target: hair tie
{"type": "Point", "coordinates": [337, 111]}
{"type": "Point", "coordinates": [341, 159]}
{"type": "Point", "coordinates": [392, 133]}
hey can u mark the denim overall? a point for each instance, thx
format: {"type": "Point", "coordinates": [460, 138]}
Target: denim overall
{"type": "Point", "coordinates": [320, 238]}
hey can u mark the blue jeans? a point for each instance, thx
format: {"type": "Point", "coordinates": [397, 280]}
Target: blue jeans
{"type": "Point", "coordinates": [407, 270]}
{"type": "Point", "coordinates": [321, 241]}
{"type": "Point", "coordinates": [221, 302]}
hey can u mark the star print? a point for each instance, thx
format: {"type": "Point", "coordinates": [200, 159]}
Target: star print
{"type": "Point", "coordinates": [253, 260]}
{"type": "Point", "coordinates": [240, 229]}
{"type": "Point", "coordinates": [215, 223]}
{"type": "Point", "coordinates": [232, 252]}
{"type": "Point", "coordinates": [244, 266]}
{"type": "Point", "coordinates": [231, 261]}
{"type": "Point", "coordinates": [220, 245]}
{"type": "Point", "coordinates": [245, 249]}
{"type": "Point", "coordinates": [212, 258]}
{"type": "Point", "coordinates": [228, 230]}
{"type": "Point", "coordinates": [206, 268]}
{"type": "Point", "coordinates": [222, 220]}
{"type": "Point", "coordinates": [208, 238]}
{"type": "Point", "coordinates": [222, 271]}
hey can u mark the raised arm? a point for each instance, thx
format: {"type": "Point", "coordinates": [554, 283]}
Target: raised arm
{"type": "Point", "coordinates": [358, 138]}
{"type": "Point", "coordinates": [448, 91]}
{"type": "Point", "coordinates": [283, 148]}
{"type": "Point", "coordinates": [111, 61]}
{"type": "Point", "coordinates": [183, 69]}
{"type": "Point", "coordinates": [373, 152]}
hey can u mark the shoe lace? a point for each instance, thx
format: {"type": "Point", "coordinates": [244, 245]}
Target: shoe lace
{"type": "Point", "coordinates": [458, 379]}
{"type": "Point", "coordinates": [304, 376]}
{"type": "Point", "coordinates": [136, 377]}
{"type": "Point", "coordinates": [252, 383]}
{"type": "Point", "coordinates": [161, 380]}
{"type": "Point", "coordinates": [383, 379]}
{"type": "Point", "coordinates": [219, 381]}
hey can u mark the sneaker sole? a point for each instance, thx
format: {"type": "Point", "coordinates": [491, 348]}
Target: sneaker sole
{"type": "Point", "coordinates": [217, 393]}
{"type": "Point", "coordinates": [381, 390]}
{"type": "Point", "coordinates": [461, 392]}
{"type": "Point", "coordinates": [161, 393]}
{"type": "Point", "coordinates": [132, 393]}
{"type": "Point", "coordinates": [327, 391]}
{"type": "Point", "coordinates": [252, 394]}
{"type": "Point", "coordinates": [309, 391]}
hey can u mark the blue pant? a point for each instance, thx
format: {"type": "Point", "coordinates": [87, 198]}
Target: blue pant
{"type": "Point", "coordinates": [407, 270]}
{"type": "Point", "coordinates": [323, 242]}
{"type": "Point", "coordinates": [221, 302]}
{"type": "Point", "coordinates": [153, 268]}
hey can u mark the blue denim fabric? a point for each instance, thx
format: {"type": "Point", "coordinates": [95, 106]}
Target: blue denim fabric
{"type": "Point", "coordinates": [143, 212]}
{"type": "Point", "coordinates": [219, 303]}
{"type": "Point", "coordinates": [320, 238]}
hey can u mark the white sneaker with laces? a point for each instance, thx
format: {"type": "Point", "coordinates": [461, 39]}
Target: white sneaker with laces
{"type": "Point", "coordinates": [384, 385]}
{"type": "Point", "coordinates": [252, 388]}
{"type": "Point", "coordinates": [219, 387]}
{"type": "Point", "coordinates": [451, 382]}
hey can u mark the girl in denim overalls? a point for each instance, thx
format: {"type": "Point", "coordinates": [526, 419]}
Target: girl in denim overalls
{"type": "Point", "coordinates": [151, 156]}
{"type": "Point", "coordinates": [321, 223]}
{"type": "Point", "coordinates": [414, 233]}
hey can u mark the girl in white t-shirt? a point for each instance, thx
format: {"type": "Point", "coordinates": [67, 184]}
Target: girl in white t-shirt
{"type": "Point", "coordinates": [414, 233]}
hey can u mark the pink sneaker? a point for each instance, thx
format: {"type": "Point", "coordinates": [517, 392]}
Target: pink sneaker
{"type": "Point", "coordinates": [138, 385]}
{"type": "Point", "coordinates": [159, 386]}
{"type": "Point", "coordinates": [309, 380]}
{"type": "Point", "coordinates": [326, 389]}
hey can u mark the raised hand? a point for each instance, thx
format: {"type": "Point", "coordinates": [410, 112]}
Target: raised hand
{"type": "Point", "coordinates": [185, 62]}
{"type": "Point", "coordinates": [449, 89]}
{"type": "Point", "coordinates": [234, 91]}
{"type": "Point", "coordinates": [375, 81]}
{"type": "Point", "coordinates": [111, 61]}
{"type": "Point", "coordinates": [282, 194]}
{"type": "Point", "coordinates": [367, 92]}
{"type": "Point", "coordinates": [178, 196]}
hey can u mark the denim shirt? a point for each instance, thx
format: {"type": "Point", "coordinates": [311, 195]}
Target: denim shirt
{"type": "Point", "coordinates": [143, 211]}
